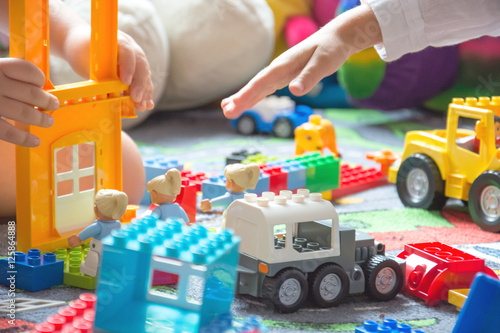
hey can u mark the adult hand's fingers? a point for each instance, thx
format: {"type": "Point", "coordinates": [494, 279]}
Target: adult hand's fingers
{"type": "Point", "coordinates": [24, 113]}
{"type": "Point", "coordinates": [12, 134]}
{"type": "Point", "coordinates": [29, 94]}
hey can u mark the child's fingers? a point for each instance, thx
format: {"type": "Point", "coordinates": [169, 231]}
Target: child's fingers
{"type": "Point", "coordinates": [29, 94]}
{"type": "Point", "coordinates": [23, 70]}
{"type": "Point", "coordinates": [12, 134]}
{"type": "Point", "coordinates": [126, 61]}
{"type": "Point", "coordinates": [141, 86]}
{"type": "Point", "coordinates": [24, 113]}
{"type": "Point", "coordinates": [311, 74]}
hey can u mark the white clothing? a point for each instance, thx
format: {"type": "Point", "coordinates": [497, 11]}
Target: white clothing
{"type": "Point", "coordinates": [412, 25]}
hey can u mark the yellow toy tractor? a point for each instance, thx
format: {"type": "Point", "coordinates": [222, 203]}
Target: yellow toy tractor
{"type": "Point", "coordinates": [456, 162]}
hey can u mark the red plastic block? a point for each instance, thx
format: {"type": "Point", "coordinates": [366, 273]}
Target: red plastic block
{"type": "Point", "coordinates": [278, 179]}
{"type": "Point", "coordinates": [77, 317]}
{"type": "Point", "coordinates": [187, 199]}
{"type": "Point", "coordinates": [354, 179]}
{"type": "Point", "coordinates": [434, 268]}
{"type": "Point", "coordinates": [195, 178]}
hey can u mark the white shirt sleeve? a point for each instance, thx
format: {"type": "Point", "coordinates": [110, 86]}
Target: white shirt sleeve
{"type": "Point", "coordinates": [412, 25]}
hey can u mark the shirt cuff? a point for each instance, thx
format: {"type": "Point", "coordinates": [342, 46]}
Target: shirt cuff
{"type": "Point", "coordinates": [402, 26]}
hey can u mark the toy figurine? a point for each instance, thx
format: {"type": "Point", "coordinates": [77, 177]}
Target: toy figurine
{"type": "Point", "coordinates": [239, 178]}
{"type": "Point", "coordinates": [164, 190]}
{"type": "Point", "coordinates": [109, 207]}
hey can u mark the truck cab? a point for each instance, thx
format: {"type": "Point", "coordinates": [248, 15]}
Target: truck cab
{"type": "Point", "coordinates": [293, 245]}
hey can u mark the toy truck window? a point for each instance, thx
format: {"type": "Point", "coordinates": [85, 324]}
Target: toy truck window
{"type": "Point", "coordinates": [279, 233]}
{"type": "Point", "coordinates": [464, 137]}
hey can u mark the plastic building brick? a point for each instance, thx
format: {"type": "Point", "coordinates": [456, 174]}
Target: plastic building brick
{"type": "Point", "coordinates": [480, 311]}
{"type": "Point", "coordinates": [322, 173]}
{"type": "Point", "coordinates": [458, 297]}
{"type": "Point", "coordinates": [240, 156]}
{"type": "Point", "coordinates": [213, 187]}
{"type": "Point", "coordinates": [278, 178]}
{"type": "Point", "coordinates": [83, 147]}
{"type": "Point", "coordinates": [443, 163]}
{"type": "Point", "coordinates": [187, 199]}
{"type": "Point", "coordinates": [204, 261]}
{"type": "Point", "coordinates": [130, 214]}
{"type": "Point", "coordinates": [300, 243]}
{"type": "Point", "coordinates": [32, 271]}
{"type": "Point", "coordinates": [354, 179]}
{"type": "Point", "coordinates": [276, 115]}
{"type": "Point", "coordinates": [195, 178]}
{"type": "Point", "coordinates": [73, 258]}
{"type": "Point", "coordinates": [154, 167]}
{"type": "Point", "coordinates": [432, 269]}
{"type": "Point", "coordinates": [28, 304]}
{"type": "Point", "coordinates": [297, 174]}
{"type": "Point", "coordinates": [388, 326]}
{"type": "Point", "coordinates": [385, 158]}
{"type": "Point", "coordinates": [258, 158]}
{"type": "Point", "coordinates": [263, 184]}
{"type": "Point", "coordinates": [315, 135]}
{"type": "Point", "coordinates": [78, 316]}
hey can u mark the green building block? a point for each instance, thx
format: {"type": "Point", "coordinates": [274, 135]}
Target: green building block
{"type": "Point", "coordinates": [258, 158]}
{"type": "Point", "coordinates": [322, 173]}
{"type": "Point", "coordinates": [72, 260]}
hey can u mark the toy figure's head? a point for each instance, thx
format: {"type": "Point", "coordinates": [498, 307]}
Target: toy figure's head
{"type": "Point", "coordinates": [110, 205]}
{"type": "Point", "coordinates": [165, 188]}
{"type": "Point", "coordinates": [240, 177]}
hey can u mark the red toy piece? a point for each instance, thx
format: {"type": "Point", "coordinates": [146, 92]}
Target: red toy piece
{"type": "Point", "coordinates": [187, 198]}
{"type": "Point", "coordinates": [354, 179]}
{"type": "Point", "coordinates": [195, 178]}
{"type": "Point", "coordinates": [78, 316]}
{"type": "Point", "coordinates": [434, 268]}
{"type": "Point", "coordinates": [278, 179]}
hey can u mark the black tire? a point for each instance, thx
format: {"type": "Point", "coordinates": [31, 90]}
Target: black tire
{"type": "Point", "coordinates": [246, 125]}
{"type": "Point", "coordinates": [283, 128]}
{"type": "Point", "coordinates": [329, 285]}
{"type": "Point", "coordinates": [383, 278]}
{"type": "Point", "coordinates": [419, 183]}
{"type": "Point", "coordinates": [484, 201]}
{"type": "Point", "coordinates": [287, 290]}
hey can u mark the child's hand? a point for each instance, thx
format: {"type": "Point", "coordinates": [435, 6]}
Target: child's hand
{"type": "Point", "coordinates": [305, 64]}
{"type": "Point", "coordinates": [21, 85]}
{"type": "Point", "coordinates": [74, 241]}
{"type": "Point", "coordinates": [133, 67]}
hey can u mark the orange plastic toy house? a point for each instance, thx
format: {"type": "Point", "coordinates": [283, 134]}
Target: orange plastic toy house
{"type": "Point", "coordinates": [81, 153]}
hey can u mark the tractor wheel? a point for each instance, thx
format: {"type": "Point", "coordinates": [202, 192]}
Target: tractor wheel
{"type": "Point", "coordinates": [383, 278]}
{"type": "Point", "coordinates": [419, 183]}
{"type": "Point", "coordinates": [484, 201]}
{"type": "Point", "coordinates": [329, 286]}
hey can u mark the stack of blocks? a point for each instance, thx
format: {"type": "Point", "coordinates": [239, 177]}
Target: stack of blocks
{"type": "Point", "coordinates": [322, 173]}
{"type": "Point", "coordinates": [195, 178]}
{"type": "Point", "coordinates": [357, 178]}
{"type": "Point", "coordinates": [388, 326]}
{"type": "Point", "coordinates": [240, 156]}
{"type": "Point", "coordinates": [154, 167]}
{"type": "Point", "coordinates": [31, 271]}
{"type": "Point", "coordinates": [72, 260]}
{"type": "Point", "coordinates": [203, 261]}
{"type": "Point", "coordinates": [78, 316]}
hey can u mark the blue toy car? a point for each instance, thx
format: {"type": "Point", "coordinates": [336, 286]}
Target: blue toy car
{"type": "Point", "coordinates": [277, 115]}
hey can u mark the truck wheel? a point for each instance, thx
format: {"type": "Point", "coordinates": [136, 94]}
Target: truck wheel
{"type": "Point", "coordinates": [419, 183]}
{"type": "Point", "coordinates": [383, 278]}
{"type": "Point", "coordinates": [287, 291]}
{"type": "Point", "coordinates": [329, 286]}
{"type": "Point", "coordinates": [484, 201]}
{"type": "Point", "coordinates": [283, 128]}
{"type": "Point", "coordinates": [246, 125]}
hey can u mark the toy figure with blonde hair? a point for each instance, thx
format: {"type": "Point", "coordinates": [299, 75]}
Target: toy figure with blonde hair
{"type": "Point", "coordinates": [164, 190]}
{"type": "Point", "coordinates": [109, 207]}
{"type": "Point", "coordinates": [239, 178]}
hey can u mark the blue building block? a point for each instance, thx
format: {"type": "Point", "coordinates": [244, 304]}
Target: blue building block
{"type": "Point", "coordinates": [156, 166]}
{"type": "Point", "coordinates": [32, 271]}
{"type": "Point", "coordinates": [204, 262]}
{"type": "Point", "coordinates": [480, 311]}
{"type": "Point", "coordinates": [388, 326]}
{"type": "Point", "coordinates": [263, 185]}
{"type": "Point", "coordinates": [213, 187]}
